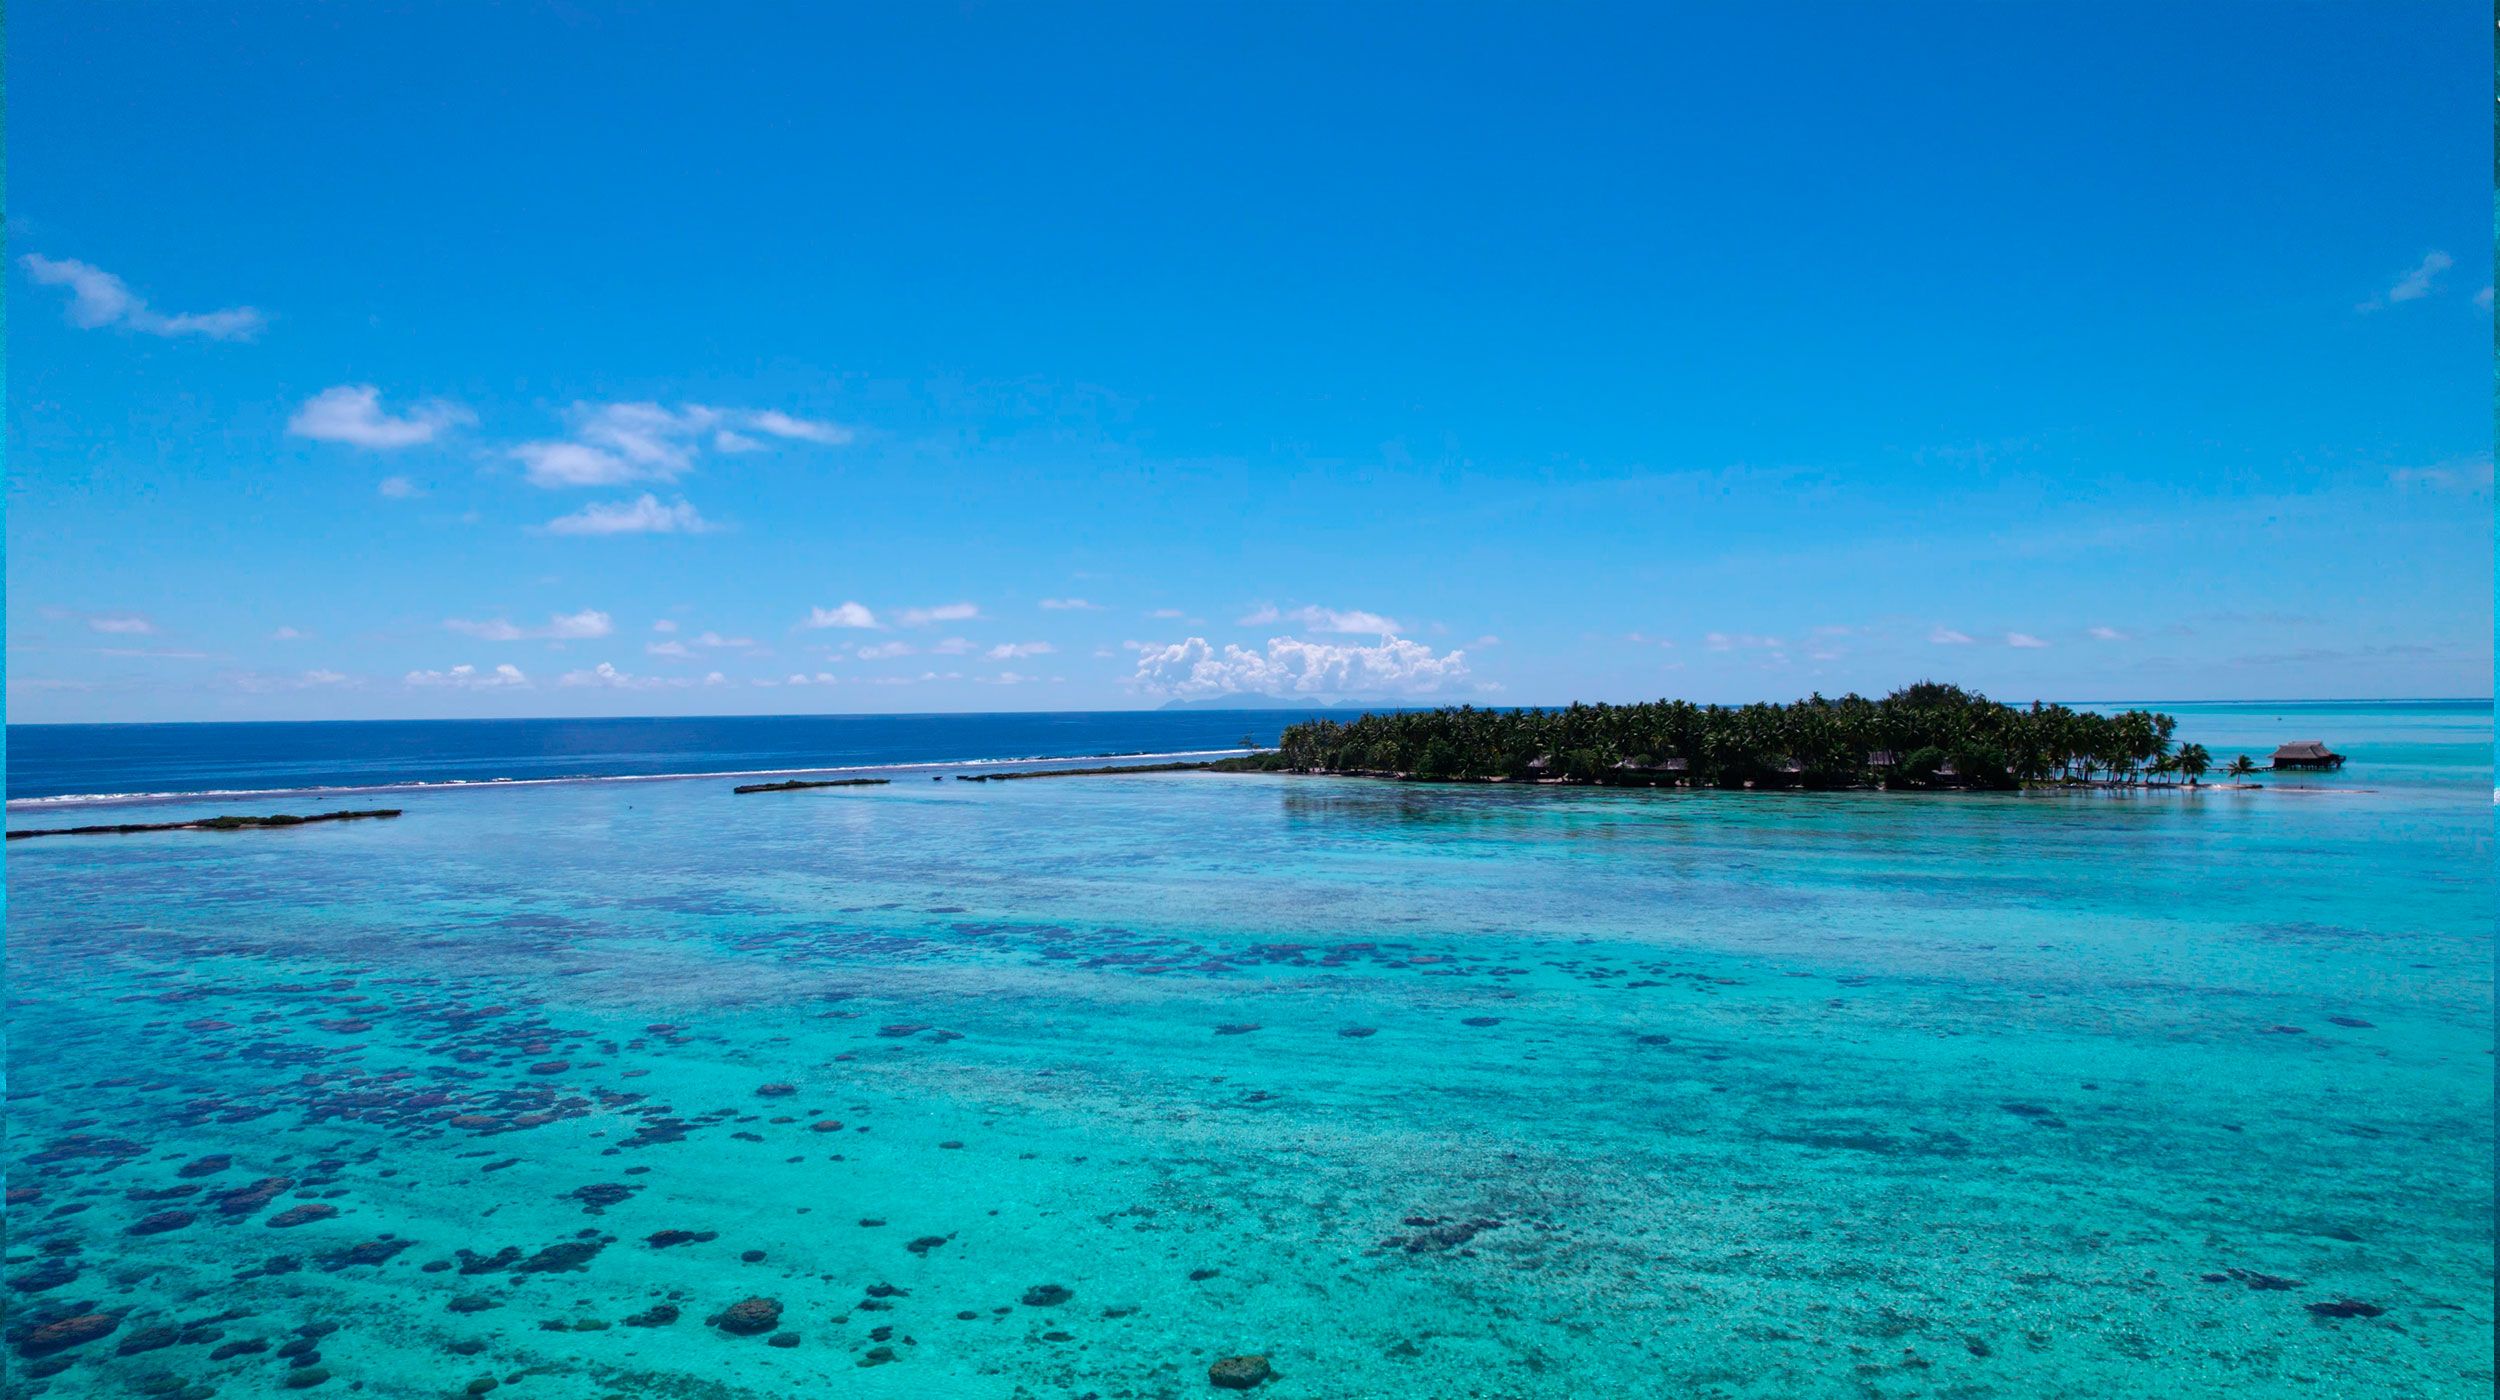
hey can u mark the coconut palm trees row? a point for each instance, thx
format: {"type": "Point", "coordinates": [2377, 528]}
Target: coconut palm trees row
{"type": "Point", "coordinates": [1924, 735]}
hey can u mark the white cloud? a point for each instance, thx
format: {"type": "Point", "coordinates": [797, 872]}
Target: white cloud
{"type": "Point", "coordinates": [884, 651]}
{"type": "Point", "coordinates": [613, 443]}
{"type": "Point", "coordinates": [122, 625]}
{"type": "Point", "coordinates": [470, 678]}
{"type": "Point", "coordinates": [2107, 634]}
{"type": "Point", "coordinates": [664, 625]}
{"type": "Point", "coordinates": [2024, 640]}
{"type": "Point", "coordinates": [645, 516]}
{"type": "Point", "coordinates": [98, 299]}
{"type": "Point", "coordinates": [1192, 669]}
{"type": "Point", "coordinates": [1355, 621]}
{"type": "Point", "coordinates": [673, 649]}
{"type": "Point", "coordinates": [398, 488]}
{"type": "Point", "coordinates": [287, 634]}
{"type": "Point", "coordinates": [820, 678]}
{"type": "Point", "coordinates": [1069, 605]}
{"type": "Point", "coordinates": [352, 414]}
{"type": "Point", "coordinates": [318, 677]}
{"type": "Point", "coordinates": [1017, 651]}
{"type": "Point", "coordinates": [561, 627]}
{"type": "Point", "coordinates": [943, 612]}
{"type": "Point", "coordinates": [2414, 284]}
{"type": "Point", "coordinates": [606, 676]}
{"type": "Point", "coordinates": [715, 639]}
{"type": "Point", "coordinates": [845, 615]}
{"type": "Point", "coordinates": [952, 646]}
{"type": "Point", "coordinates": [782, 425]}
{"type": "Point", "coordinates": [1947, 637]}
{"type": "Point", "coordinates": [1166, 614]}
{"type": "Point", "coordinates": [1742, 641]}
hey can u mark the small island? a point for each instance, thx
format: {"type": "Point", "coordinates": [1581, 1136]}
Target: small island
{"type": "Point", "coordinates": [1926, 736]}
{"type": "Point", "coordinates": [281, 819]}
{"type": "Point", "coordinates": [795, 784]}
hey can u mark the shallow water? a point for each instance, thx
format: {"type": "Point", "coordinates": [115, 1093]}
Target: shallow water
{"type": "Point", "coordinates": [1662, 1093]}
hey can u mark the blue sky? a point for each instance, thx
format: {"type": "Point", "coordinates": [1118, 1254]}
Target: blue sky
{"type": "Point", "coordinates": [433, 360]}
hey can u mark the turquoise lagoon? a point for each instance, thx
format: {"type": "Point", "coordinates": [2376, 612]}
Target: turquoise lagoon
{"type": "Point", "coordinates": [1069, 1088]}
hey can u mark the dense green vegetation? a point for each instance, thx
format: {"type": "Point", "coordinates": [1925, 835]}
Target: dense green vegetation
{"type": "Point", "coordinates": [1925, 735]}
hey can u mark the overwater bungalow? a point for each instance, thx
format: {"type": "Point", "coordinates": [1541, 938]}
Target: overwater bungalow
{"type": "Point", "coordinates": [2307, 753]}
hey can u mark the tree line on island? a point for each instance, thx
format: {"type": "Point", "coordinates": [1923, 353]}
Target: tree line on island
{"type": "Point", "coordinates": [1926, 735]}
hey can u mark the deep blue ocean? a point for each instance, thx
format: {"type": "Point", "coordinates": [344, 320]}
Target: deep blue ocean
{"type": "Point", "coordinates": [142, 760]}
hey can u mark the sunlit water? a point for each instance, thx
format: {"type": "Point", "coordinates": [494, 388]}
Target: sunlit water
{"type": "Point", "coordinates": [1073, 1087]}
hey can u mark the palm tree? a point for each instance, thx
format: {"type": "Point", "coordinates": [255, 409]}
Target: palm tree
{"type": "Point", "coordinates": [2240, 767]}
{"type": "Point", "coordinates": [2193, 760]}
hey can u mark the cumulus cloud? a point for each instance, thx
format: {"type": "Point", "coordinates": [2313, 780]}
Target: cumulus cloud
{"type": "Point", "coordinates": [1287, 666]}
{"type": "Point", "coordinates": [561, 627]}
{"type": "Point", "coordinates": [2023, 640]}
{"type": "Point", "coordinates": [1069, 605]}
{"type": "Point", "coordinates": [352, 414]}
{"type": "Point", "coordinates": [952, 646]}
{"type": "Point", "coordinates": [613, 443]}
{"type": "Point", "coordinates": [844, 615]}
{"type": "Point", "coordinates": [943, 612]}
{"type": "Point", "coordinates": [1017, 651]}
{"type": "Point", "coordinates": [2416, 283]}
{"type": "Point", "coordinates": [1317, 619]}
{"type": "Point", "coordinates": [645, 516]}
{"type": "Point", "coordinates": [1947, 637]}
{"type": "Point", "coordinates": [98, 298]}
{"type": "Point", "coordinates": [469, 678]}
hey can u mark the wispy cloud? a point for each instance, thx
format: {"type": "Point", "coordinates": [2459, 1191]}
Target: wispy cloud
{"type": "Point", "coordinates": [2464, 477]}
{"type": "Point", "coordinates": [2107, 634]}
{"type": "Point", "coordinates": [98, 298]}
{"type": "Point", "coordinates": [288, 634]}
{"type": "Point", "coordinates": [469, 678]}
{"type": "Point", "coordinates": [121, 624]}
{"type": "Point", "coordinates": [885, 651]}
{"type": "Point", "coordinates": [1741, 641]}
{"type": "Point", "coordinates": [943, 612]}
{"type": "Point", "coordinates": [352, 414]}
{"type": "Point", "coordinates": [1017, 651]}
{"type": "Point", "coordinates": [2415, 284]}
{"type": "Point", "coordinates": [1947, 637]}
{"type": "Point", "coordinates": [606, 676]}
{"type": "Point", "coordinates": [561, 627]}
{"type": "Point", "coordinates": [1069, 605]}
{"type": "Point", "coordinates": [399, 488]}
{"type": "Point", "coordinates": [2024, 641]}
{"type": "Point", "coordinates": [614, 443]}
{"type": "Point", "coordinates": [1352, 621]}
{"type": "Point", "coordinates": [841, 615]}
{"type": "Point", "coordinates": [643, 516]}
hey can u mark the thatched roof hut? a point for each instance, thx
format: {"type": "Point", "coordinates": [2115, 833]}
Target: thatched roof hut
{"type": "Point", "coordinates": [2307, 753]}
